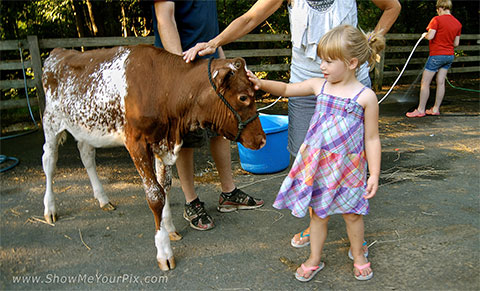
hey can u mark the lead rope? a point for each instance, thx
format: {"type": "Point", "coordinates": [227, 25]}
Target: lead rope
{"type": "Point", "coordinates": [241, 124]}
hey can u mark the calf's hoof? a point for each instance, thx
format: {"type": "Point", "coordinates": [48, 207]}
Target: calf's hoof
{"type": "Point", "coordinates": [166, 265]}
{"type": "Point", "coordinates": [108, 207]}
{"type": "Point", "coordinates": [175, 236]}
{"type": "Point", "coordinates": [50, 217]}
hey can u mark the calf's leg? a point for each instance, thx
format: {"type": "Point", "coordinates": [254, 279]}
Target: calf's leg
{"type": "Point", "coordinates": [143, 159]}
{"type": "Point", "coordinates": [87, 154]}
{"type": "Point", "coordinates": [49, 162]}
{"type": "Point", "coordinates": [164, 177]}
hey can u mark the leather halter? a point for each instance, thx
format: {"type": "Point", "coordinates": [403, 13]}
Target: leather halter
{"type": "Point", "coordinates": [241, 124]}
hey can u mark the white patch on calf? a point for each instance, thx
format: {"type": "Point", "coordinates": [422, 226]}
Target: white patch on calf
{"type": "Point", "coordinates": [111, 79]}
{"type": "Point", "coordinates": [97, 115]}
{"type": "Point", "coordinates": [161, 151]}
{"type": "Point", "coordinates": [169, 158]}
{"type": "Point", "coordinates": [162, 242]}
{"type": "Point", "coordinates": [232, 66]}
{"type": "Point", "coordinates": [167, 216]}
{"type": "Point", "coordinates": [153, 190]}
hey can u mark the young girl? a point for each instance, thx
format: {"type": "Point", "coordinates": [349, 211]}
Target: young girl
{"type": "Point", "coordinates": [330, 172]}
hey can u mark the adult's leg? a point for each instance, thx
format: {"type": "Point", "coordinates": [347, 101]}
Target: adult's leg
{"type": "Point", "coordinates": [194, 210]}
{"type": "Point", "coordinates": [185, 169]}
{"type": "Point", "coordinates": [220, 149]}
{"type": "Point", "coordinates": [231, 198]}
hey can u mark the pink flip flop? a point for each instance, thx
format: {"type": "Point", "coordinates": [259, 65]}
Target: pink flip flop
{"type": "Point", "coordinates": [431, 112]}
{"type": "Point", "coordinates": [415, 113]}
{"type": "Point", "coordinates": [315, 270]}
{"type": "Point", "coordinates": [360, 268]}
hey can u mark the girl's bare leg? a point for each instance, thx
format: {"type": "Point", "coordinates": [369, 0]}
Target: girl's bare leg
{"type": "Point", "coordinates": [355, 231]}
{"type": "Point", "coordinates": [318, 235]}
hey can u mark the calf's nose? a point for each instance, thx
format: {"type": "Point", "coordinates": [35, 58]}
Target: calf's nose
{"type": "Point", "coordinates": [260, 141]}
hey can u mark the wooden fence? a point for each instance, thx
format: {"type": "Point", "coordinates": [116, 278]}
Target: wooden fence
{"type": "Point", "coordinates": [263, 52]}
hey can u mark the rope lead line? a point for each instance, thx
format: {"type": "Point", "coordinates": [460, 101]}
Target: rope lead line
{"type": "Point", "coordinates": [241, 124]}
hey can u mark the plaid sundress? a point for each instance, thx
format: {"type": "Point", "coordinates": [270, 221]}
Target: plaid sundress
{"type": "Point", "coordinates": [329, 172]}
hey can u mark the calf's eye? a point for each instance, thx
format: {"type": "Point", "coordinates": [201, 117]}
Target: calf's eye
{"type": "Point", "coordinates": [243, 98]}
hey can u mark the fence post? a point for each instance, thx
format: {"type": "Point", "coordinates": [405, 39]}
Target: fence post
{"type": "Point", "coordinates": [378, 73]}
{"type": "Point", "coordinates": [37, 70]}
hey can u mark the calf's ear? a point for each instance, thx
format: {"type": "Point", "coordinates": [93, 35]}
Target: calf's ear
{"type": "Point", "coordinates": [238, 63]}
{"type": "Point", "coordinates": [222, 74]}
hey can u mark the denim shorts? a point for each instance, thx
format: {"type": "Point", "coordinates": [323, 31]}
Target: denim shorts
{"type": "Point", "coordinates": [434, 63]}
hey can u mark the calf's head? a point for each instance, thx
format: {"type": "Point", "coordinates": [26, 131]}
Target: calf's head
{"type": "Point", "coordinates": [234, 117]}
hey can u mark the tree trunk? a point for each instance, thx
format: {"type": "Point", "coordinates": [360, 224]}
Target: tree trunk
{"type": "Point", "coordinates": [79, 22]}
{"type": "Point", "coordinates": [124, 21]}
{"type": "Point", "coordinates": [92, 19]}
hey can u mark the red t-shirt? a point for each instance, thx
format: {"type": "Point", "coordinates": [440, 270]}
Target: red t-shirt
{"type": "Point", "coordinates": [447, 27]}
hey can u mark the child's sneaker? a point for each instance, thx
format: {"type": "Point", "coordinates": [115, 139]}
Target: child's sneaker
{"type": "Point", "coordinates": [237, 199]}
{"type": "Point", "coordinates": [197, 216]}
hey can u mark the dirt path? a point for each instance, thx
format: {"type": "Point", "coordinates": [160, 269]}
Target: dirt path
{"type": "Point", "coordinates": [424, 222]}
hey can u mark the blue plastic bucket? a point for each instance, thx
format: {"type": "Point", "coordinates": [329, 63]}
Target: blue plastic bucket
{"type": "Point", "coordinates": [274, 156]}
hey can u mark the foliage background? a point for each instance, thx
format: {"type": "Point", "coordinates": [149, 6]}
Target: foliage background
{"type": "Point", "coordinates": [87, 18]}
{"type": "Point", "coordinates": [73, 18]}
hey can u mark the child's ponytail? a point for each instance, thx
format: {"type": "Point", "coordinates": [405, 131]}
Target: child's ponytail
{"type": "Point", "coordinates": [346, 42]}
{"type": "Point", "coordinates": [376, 43]}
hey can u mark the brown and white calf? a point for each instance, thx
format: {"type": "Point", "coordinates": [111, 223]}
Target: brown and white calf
{"type": "Point", "coordinates": [145, 99]}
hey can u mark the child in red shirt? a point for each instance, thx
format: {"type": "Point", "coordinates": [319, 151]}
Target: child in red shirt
{"type": "Point", "coordinates": [444, 34]}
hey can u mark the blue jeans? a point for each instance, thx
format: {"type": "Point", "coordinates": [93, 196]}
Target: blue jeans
{"type": "Point", "coordinates": [434, 63]}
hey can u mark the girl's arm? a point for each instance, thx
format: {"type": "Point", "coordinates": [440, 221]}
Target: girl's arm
{"type": "Point", "coordinates": [305, 88]}
{"type": "Point", "coordinates": [373, 149]}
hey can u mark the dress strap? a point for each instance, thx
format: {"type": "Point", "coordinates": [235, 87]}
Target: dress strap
{"type": "Point", "coordinates": [323, 86]}
{"type": "Point", "coordinates": [358, 94]}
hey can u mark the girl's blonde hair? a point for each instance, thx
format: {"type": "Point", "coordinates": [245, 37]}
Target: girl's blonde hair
{"type": "Point", "coordinates": [346, 42]}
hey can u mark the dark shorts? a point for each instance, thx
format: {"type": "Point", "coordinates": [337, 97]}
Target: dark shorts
{"type": "Point", "coordinates": [197, 138]}
{"type": "Point", "coordinates": [434, 63]}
